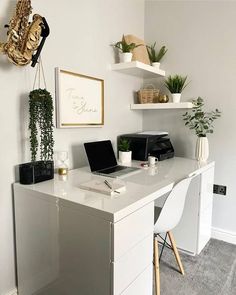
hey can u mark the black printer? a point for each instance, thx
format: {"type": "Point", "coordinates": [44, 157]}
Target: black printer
{"type": "Point", "coordinates": [155, 144]}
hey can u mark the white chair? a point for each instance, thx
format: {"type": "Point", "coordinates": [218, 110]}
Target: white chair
{"type": "Point", "coordinates": [166, 219]}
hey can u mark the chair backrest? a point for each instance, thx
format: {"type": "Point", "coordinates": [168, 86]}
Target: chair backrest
{"type": "Point", "coordinates": [173, 207]}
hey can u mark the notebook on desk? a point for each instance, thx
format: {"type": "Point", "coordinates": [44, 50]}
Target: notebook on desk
{"type": "Point", "coordinates": [99, 186]}
{"type": "Point", "coordinates": [102, 160]}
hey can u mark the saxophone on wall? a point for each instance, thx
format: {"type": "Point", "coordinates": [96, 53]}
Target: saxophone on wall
{"type": "Point", "coordinates": [23, 37]}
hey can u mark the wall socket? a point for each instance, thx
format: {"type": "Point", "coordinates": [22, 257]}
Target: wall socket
{"type": "Point", "coordinates": [219, 189]}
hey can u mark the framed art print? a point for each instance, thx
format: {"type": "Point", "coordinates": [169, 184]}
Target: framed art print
{"type": "Point", "coordinates": [80, 100]}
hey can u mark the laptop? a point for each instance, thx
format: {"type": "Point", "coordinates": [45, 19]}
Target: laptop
{"type": "Point", "coordinates": [102, 159]}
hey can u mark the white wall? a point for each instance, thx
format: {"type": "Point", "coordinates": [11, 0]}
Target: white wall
{"type": "Point", "coordinates": [200, 36]}
{"type": "Point", "coordinates": [81, 32]}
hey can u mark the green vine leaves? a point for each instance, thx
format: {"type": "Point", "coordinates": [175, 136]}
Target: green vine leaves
{"type": "Point", "coordinates": [41, 124]}
{"type": "Point", "coordinates": [198, 120]}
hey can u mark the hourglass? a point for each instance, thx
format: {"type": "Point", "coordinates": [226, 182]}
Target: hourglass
{"type": "Point", "coordinates": [62, 158]}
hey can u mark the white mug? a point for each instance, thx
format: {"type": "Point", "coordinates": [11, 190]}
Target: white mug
{"type": "Point", "coordinates": [152, 161]}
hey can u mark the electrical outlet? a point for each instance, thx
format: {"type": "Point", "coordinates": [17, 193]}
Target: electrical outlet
{"type": "Point", "coordinates": [219, 189]}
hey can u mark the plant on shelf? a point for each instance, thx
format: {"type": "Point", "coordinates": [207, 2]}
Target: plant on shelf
{"type": "Point", "coordinates": [176, 84]}
{"type": "Point", "coordinates": [125, 49]}
{"type": "Point", "coordinates": [202, 123]}
{"type": "Point", "coordinates": [154, 56]}
{"type": "Point", "coordinates": [125, 154]}
{"type": "Point", "coordinates": [41, 124]}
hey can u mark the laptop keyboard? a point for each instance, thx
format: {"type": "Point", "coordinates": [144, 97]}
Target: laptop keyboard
{"type": "Point", "coordinates": [113, 169]}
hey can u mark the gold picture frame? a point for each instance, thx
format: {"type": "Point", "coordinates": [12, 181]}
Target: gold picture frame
{"type": "Point", "coordinates": [79, 100]}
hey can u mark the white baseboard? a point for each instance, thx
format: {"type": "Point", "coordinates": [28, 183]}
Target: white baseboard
{"type": "Point", "coordinates": [226, 236]}
{"type": "Point", "coordinates": [12, 292]}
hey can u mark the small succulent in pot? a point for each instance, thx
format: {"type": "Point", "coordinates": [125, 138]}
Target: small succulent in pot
{"type": "Point", "coordinates": [156, 56]}
{"type": "Point", "coordinates": [124, 145]}
{"type": "Point", "coordinates": [125, 155]}
{"type": "Point", "coordinates": [176, 84]}
{"type": "Point", "coordinates": [125, 49]}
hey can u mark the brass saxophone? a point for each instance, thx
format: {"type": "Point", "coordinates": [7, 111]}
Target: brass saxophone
{"type": "Point", "coordinates": [23, 37]}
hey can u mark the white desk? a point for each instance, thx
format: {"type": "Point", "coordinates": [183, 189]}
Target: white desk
{"type": "Point", "coordinates": [71, 241]}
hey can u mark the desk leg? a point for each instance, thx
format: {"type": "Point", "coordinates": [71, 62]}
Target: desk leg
{"type": "Point", "coordinates": [156, 265]}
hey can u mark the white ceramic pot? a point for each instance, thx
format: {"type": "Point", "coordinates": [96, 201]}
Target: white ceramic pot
{"type": "Point", "coordinates": [126, 56]}
{"type": "Point", "coordinates": [176, 97]}
{"type": "Point", "coordinates": [125, 157]}
{"type": "Point", "coordinates": [156, 65]}
{"type": "Point", "coordinates": [202, 149]}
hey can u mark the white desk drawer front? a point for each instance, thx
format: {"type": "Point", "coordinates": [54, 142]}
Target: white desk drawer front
{"type": "Point", "coordinates": [142, 285]}
{"type": "Point", "coordinates": [207, 181]}
{"type": "Point", "coordinates": [132, 229]}
{"type": "Point", "coordinates": [204, 228]}
{"type": "Point", "coordinates": [132, 264]}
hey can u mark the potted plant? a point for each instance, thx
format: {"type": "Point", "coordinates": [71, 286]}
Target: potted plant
{"type": "Point", "coordinates": [41, 127]}
{"type": "Point", "coordinates": [125, 155]}
{"type": "Point", "coordinates": [154, 56]}
{"type": "Point", "coordinates": [202, 123]}
{"type": "Point", "coordinates": [176, 85]}
{"type": "Point", "coordinates": [125, 49]}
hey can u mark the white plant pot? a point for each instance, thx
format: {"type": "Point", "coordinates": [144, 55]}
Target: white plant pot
{"type": "Point", "coordinates": [125, 157]}
{"type": "Point", "coordinates": [156, 65]}
{"type": "Point", "coordinates": [176, 97]}
{"type": "Point", "coordinates": [126, 56]}
{"type": "Point", "coordinates": [202, 149]}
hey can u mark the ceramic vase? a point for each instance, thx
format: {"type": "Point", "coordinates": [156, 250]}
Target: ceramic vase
{"type": "Point", "coordinates": [126, 56]}
{"type": "Point", "coordinates": [176, 97]}
{"type": "Point", "coordinates": [202, 149]}
{"type": "Point", "coordinates": [125, 157]}
{"type": "Point", "coordinates": [156, 65]}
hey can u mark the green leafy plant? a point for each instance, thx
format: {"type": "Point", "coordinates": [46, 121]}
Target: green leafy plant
{"type": "Point", "coordinates": [199, 120]}
{"type": "Point", "coordinates": [124, 145]}
{"type": "Point", "coordinates": [41, 117]}
{"type": "Point", "coordinates": [176, 84]}
{"type": "Point", "coordinates": [155, 56]}
{"type": "Point", "coordinates": [124, 47]}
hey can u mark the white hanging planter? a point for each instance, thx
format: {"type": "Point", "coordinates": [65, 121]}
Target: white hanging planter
{"type": "Point", "coordinates": [125, 157]}
{"type": "Point", "coordinates": [126, 56]}
{"type": "Point", "coordinates": [202, 149]}
{"type": "Point", "coordinates": [156, 65]}
{"type": "Point", "coordinates": [176, 97]}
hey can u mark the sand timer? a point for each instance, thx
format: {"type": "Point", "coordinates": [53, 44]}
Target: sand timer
{"type": "Point", "coordinates": [62, 158]}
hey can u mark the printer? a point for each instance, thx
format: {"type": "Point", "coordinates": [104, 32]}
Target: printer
{"type": "Point", "coordinates": [150, 143]}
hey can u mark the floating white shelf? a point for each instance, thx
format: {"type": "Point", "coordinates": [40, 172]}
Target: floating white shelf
{"type": "Point", "coordinates": [161, 106]}
{"type": "Point", "coordinates": [138, 69]}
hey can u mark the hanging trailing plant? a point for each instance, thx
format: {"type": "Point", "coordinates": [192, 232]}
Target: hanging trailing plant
{"type": "Point", "coordinates": [41, 124]}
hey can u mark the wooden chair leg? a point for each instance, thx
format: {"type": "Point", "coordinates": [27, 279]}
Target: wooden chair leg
{"type": "Point", "coordinates": [156, 266]}
{"type": "Point", "coordinates": [177, 257]}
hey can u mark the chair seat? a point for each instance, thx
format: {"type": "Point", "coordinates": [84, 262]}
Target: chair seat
{"type": "Point", "coordinates": [157, 213]}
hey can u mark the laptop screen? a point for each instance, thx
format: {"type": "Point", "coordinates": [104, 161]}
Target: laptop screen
{"type": "Point", "coordinates": [100, 155]}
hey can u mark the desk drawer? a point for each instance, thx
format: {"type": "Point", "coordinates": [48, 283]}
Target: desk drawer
{"type": "Point", "coordinates": [142, 285]}
{"type": "Point", "coordinates": [132, 264]}
{"type": "Point", "coordinates": [131, 230]}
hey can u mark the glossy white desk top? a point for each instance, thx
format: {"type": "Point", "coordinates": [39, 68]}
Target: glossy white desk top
{"type": "Point", "coordinates": [141, 188]}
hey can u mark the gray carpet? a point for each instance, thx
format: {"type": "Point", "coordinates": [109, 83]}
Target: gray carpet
{"type": "Point", "coordinates": [213, 272]}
